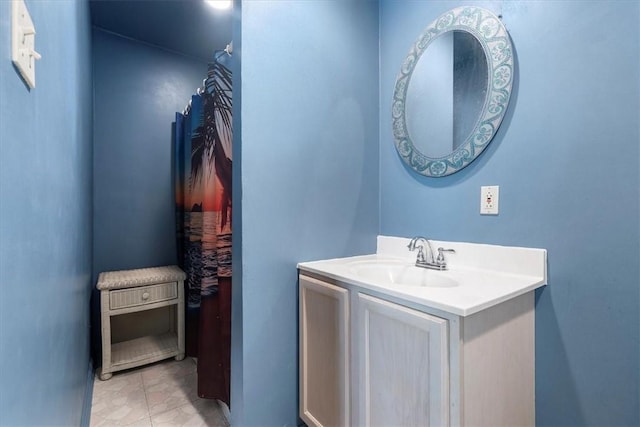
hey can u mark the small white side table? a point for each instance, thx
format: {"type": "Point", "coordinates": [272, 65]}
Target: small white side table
{"type": "Point", "coordinates": [130, 291]}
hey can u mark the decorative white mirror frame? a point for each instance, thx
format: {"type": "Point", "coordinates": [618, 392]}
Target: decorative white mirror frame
{"type": "Point", "coordinates": [494, 39]}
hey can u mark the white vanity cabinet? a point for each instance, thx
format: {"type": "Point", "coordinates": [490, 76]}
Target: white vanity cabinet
{"type": "Point", "coordinates": [370, 359]}
{"type": "Point", "coordinates": [324, 353]}
{"type": "Point", "coordinates": [403, 365]}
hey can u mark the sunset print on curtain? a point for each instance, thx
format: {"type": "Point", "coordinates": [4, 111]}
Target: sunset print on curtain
{"type": "Point", "coordinates": [203, 156]}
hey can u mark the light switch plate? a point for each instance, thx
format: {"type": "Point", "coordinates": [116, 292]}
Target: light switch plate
{"type": "Point", "coordinates": [489, 199]}
{"type": "Point", "coordinates": [23, 40]}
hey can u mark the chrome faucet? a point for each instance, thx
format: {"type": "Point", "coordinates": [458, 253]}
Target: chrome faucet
{"type": "Point", "coordinates": [438, 263]}
{"type": "Point", "coordinates": [413, 244]}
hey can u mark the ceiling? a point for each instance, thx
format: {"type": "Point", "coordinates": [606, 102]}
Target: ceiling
{"type": "Point", "coordinates": [190, 27]}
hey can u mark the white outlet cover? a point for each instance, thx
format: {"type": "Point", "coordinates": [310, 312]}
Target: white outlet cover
{"type": "Point", "coordinates": [489, 199]}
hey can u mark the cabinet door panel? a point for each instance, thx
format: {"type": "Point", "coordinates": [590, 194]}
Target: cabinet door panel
{"type": "Point", "coordinates": [404, 372]}
{"type": "Point", "coordinates": [324, 354]}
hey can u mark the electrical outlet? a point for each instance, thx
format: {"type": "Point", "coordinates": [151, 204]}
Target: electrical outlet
{"type": "Point", "coordinates": [489, 199]}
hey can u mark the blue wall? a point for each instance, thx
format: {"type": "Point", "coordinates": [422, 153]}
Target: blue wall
{"type": "Point", "coordinates": [237, 358]}
{"type": "Point", "coordinates": [45, 220]}
{"type": "Point", "coordinates": [309, 177]}
{"type": "Point", "coordinates": [567, 162]}
{"type": "Point", "coordinates": [137, 90]}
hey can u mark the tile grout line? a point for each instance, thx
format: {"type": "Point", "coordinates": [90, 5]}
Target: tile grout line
{"type": "Point", "coordinates": [144, 385]}
{"type": "Point", "coordinates": [146, 401]}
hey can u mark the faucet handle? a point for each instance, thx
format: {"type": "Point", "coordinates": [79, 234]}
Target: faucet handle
{"type": "Point", "coordinates": [440, 260]}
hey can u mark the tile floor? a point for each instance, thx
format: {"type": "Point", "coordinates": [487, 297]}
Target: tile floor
{"type": "Point", "coordinates": [162, 394]}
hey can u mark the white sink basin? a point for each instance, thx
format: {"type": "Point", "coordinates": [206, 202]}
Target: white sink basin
{"type": "Point", "coordinates": [392, 272]}
{"type": "Point", "coordinates": [478, 276]}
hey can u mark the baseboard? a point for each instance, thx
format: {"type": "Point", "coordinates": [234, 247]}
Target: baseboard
{"type": "Point", "coordinates": [88, 397]}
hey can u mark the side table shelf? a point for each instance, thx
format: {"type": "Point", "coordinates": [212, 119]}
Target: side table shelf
{"type": "Point", "coordinates": [141, 291]}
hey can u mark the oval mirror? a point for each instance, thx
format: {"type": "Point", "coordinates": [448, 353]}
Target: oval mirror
{"type": "Point", "coordinates": [452, 91]}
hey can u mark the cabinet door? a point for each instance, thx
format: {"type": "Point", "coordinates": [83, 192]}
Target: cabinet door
{"type": "Point", "coordinates": [404, 366]}
{"type": "Point", "coordinates": [324, 353]}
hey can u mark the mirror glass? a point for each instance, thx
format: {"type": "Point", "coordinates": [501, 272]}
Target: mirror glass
{"type": "Point", "coordinates": [452, 91]}
{"type": "Point", "coordinates": [453, 71]}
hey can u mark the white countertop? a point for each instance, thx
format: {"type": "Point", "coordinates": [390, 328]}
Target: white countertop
{"type": "Point", "coordinates": [486, 274]}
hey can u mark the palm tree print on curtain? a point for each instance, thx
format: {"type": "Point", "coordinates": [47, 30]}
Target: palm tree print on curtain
{"type": "Point", "coordinates": [203, 212]}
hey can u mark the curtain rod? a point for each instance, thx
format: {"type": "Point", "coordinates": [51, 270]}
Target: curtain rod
{"type": "Point", "coordinates": [228, 50]}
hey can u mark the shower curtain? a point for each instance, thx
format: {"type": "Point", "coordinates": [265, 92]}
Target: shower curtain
{"type": "Point", "coordinates": [203, 138]}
